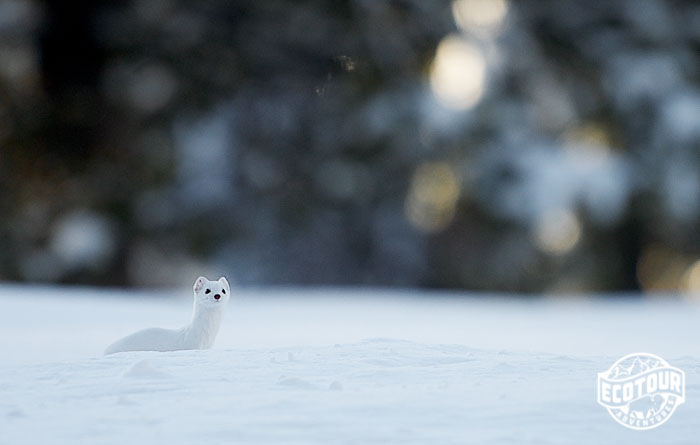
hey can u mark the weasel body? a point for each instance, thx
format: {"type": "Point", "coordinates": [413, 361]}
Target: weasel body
{"type": "Point", "coordinates": [210, 298]}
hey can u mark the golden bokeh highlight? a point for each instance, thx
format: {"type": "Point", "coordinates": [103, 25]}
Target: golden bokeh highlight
{"type": "Point", "coordinates": [661, 269]}
{"type": "Point", "coordinates": [479, 15]}
{"type": "Point", "coordinates": [590, 140]}
{"type": "Point", "coordinates": [557, 232]}
{"type": "Point", "coordinates": [432, 199]}
{"type": "Point", "coordinates": [690, 281]}
{"type": "Point", "coordinates": [590, 134]}
{"type": "Point", "coordinates": [458, 73]}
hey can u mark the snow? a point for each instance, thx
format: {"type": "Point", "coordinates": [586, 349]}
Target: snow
{"type": "Point", "coordinates": [82, 238]}
{"type": "Point", "coordinates": [333, 366]}
{"type": "Point", "coordinates": [551, 180]}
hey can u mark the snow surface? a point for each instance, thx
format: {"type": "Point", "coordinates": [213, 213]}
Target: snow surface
{"type": "Point", "coordinates": [333, 366]}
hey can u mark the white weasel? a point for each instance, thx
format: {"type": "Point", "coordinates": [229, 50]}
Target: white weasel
{"type": "Point", "coordinates": [210, 298]}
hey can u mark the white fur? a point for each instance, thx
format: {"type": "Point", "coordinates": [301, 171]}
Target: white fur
{"type": "Point", "coordinates": [199, 334]}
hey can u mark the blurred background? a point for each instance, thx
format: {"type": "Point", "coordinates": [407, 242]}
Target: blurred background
{"type": "Point", "coordinates": [518, 146]}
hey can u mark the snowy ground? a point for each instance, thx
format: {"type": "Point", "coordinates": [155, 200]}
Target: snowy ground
{"type": "Point", "coordinates": [333, 366]}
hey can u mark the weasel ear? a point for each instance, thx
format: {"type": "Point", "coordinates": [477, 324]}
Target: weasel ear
{"type": "Point", "coordinates": [223, 281]}
{"type": "Point", "coordinates": [199, 284]}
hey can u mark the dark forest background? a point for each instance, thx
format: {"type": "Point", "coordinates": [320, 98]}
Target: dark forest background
{"type": "Point", "coordinates": [529, 146]}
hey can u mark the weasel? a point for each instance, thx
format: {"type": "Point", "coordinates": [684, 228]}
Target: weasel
{"type": "Point", "coordinates": [210, 298]}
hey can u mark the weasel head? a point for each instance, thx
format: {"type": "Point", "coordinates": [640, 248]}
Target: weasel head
{"type": "Point", "coordinates": [211, 293]}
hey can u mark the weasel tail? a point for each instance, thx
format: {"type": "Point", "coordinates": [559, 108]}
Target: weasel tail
{"type": "Point", "coordinates": [210, 298]}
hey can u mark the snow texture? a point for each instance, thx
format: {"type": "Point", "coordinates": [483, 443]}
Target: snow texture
{"type": "Point", "coordinates": [330, 366]}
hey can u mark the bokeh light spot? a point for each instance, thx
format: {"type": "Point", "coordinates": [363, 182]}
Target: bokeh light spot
{"type": "Point", "coordinates": [557, 231]}
{"type": "Point", "coordinates": [590, 135]}
{"type": "Point", "coordinates": [458, 73]}
{"type": "Point", "coordinates": [691, 281]}
{"type": "Point", "coordinates": [432, 199]}
{"type": "Point", "coordinates": [479, 15]}
{"type": "Point", "coordinates": [661, 269]}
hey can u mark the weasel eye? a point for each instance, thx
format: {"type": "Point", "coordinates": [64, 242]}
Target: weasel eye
{"type": "Point", "coordinates": [223, 291]}
{"type": "Point", "coordinates": [207, 291]}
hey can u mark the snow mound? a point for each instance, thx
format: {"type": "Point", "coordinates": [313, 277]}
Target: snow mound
{"type": "Point", "coordinates": [144, 369]}
{"type": "Point", "coordinates": [290, 369]}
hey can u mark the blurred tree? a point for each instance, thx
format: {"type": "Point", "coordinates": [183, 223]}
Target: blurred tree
{"type": "Point", "coordinates": [485, 144]}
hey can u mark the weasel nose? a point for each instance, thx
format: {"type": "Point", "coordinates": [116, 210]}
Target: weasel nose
{"type": "Point", "coordinates": [217, 296]}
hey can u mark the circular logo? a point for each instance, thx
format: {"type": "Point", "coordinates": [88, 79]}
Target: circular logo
{"type": "Point", "coordinates": [641, 391]}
